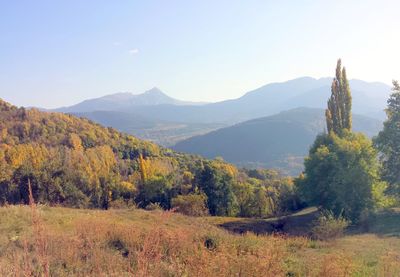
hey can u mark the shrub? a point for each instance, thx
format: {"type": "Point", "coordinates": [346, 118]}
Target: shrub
{"type": "Point", "coordinates": [121, 204]}
{"type": "Point", "coordinates": [211, 242]}
{"type": "Point", "coordinates": [329, 227]}
{"type": "Point", "coordinates": [191, 204]}
{"type": "Point", "coordinates": [153, 207]}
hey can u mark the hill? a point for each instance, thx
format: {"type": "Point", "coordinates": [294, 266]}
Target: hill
{"type": "Point", "coordinates": [280, 141]}
{"type": "Point", "coordinates": [69, 161]}
{"type": "Point", "coordinates": [71, 242]}
{"type": "Point", "coordinates": [75, 162]}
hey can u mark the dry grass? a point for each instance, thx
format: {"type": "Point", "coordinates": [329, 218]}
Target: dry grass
{"type": "Point", "coordinates": [43, 241]}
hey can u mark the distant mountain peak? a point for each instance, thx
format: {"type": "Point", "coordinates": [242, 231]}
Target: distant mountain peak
{"type": "Point", "coordinates": [154, 90]}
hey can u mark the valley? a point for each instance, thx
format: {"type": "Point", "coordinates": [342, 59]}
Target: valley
{"type": "Point", "coordinates": [274, 125]}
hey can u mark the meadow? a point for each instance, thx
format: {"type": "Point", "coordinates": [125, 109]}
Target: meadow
{"type": "Point", "coordinates": [54, 241]}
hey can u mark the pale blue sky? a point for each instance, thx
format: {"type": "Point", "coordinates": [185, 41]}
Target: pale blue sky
{"type": "Point", "coordinates": [56, 53]}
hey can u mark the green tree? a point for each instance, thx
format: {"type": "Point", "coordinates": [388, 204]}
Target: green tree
{"type": "Point", "coordinates": [156, 189]}
{"type": "Point", "coordinates": [218, 186]}
{"type": "Point", "coordinates": [388, 142]}
{"type": "Point", "coordinates": [341, 174]}
{"type": "Point", "coordinates": [262, 203]}
{"type": "Point", "coordinates": [244, 193]}
{"type": "Point", "coordinates": [338, 114]}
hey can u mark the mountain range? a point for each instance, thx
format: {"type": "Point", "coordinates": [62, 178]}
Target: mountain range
{"type": "Point", "coordinates": [369, 98]}
{"type": "Point", "coordinates": [155, 116]}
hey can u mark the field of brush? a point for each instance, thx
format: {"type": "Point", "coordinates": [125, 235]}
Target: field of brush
{"type": "Point", "coordinates": [45, 241]}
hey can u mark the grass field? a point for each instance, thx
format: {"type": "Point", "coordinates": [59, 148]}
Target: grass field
{"type": "Point", "coordinates": [44, 241]}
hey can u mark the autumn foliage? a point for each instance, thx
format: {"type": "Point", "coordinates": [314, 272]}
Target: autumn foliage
{"type": "Point", "coordinates": [74, 162]}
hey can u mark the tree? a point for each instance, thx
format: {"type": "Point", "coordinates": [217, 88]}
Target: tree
{"type": "Point", "coordinates": [388, 142]}
{"type": "Point", "coordinates": [156, 189]}
{"type": "Point", "coordinates": [244, 193]}
{"type": "Point", "coordinates": [142, 168]}
{"type": "Point", "coordinates": [263, 205]}
{"type": "Point", "coordinates": [75, 142]}
{"type": "Point", "coordinates": [338, 114]}
{"type": "Point", "coordinates": [218, 186]}
{"type": "Point", "coordinates": [341, 174]}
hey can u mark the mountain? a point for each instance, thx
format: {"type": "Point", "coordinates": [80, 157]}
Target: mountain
{"type": "Point", "coordinates": [280, 141]}
{"type": "Point", "coordinates": [368, 98]}
{"type": "Point", "coordinates": [124, 101]}
{"type": "Point", "coordinates": [161, 132]}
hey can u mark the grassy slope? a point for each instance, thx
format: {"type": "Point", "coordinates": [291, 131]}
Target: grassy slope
{"type": "Point", "coordinates": [139, 243]}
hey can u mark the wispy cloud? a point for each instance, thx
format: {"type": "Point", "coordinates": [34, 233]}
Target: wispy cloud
{"type": "Point", "coordinates": [133, 51]}
{"type": "Point", "coordinates": [117, 43]}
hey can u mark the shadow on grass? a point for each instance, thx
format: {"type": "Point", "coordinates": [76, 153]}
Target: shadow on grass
{"type": "Point", "coordinates": [385, 224]}
{"type": "Point", "coordinates": [297, 224]}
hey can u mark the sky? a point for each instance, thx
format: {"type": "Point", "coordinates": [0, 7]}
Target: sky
{"type": "Point", "coordinates": [58, 53]}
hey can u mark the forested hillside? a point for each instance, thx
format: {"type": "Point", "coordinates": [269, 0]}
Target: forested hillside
{"type": "Point", "coordinates": [280, 141]}
{"type": "Point", "coordinates": [74, 162]}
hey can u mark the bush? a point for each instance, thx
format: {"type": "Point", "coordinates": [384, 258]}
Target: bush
{"type": "Point", "coordinates": [121, 204]}
{"type": "Point", "coordinates": [212, 242]}
{"type": "Point", "coordinates": [191, 204]}
{"type": "Point", "coordinates": [153, 207]}
{"type": "Point", "coordinates": [329, 227]}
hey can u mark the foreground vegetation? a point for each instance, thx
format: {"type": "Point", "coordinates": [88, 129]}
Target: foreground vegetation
{"type": "Point", "coordinates": [70, 242]}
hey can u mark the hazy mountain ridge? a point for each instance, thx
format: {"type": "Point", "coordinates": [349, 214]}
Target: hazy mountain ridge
{"type": "Point", "coordinates": [280, 141]}
{"type": "Point", "coordinates": [369, 98]}
{"type": "Point", "coordinates": [125, 101]}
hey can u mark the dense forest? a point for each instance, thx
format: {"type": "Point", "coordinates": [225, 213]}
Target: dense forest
{"type": "Point", "coordinates": [74, 162]}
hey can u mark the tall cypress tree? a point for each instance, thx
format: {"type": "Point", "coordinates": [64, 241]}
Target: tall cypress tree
{"type": "Point", "coordinates": [338, 114]}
